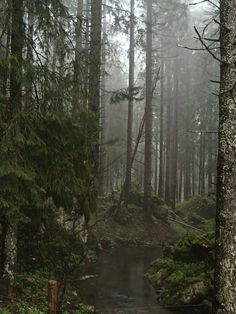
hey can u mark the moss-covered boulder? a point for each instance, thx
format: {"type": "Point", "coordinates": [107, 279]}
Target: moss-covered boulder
{"type": "Point", "coordinates": [185, 274]}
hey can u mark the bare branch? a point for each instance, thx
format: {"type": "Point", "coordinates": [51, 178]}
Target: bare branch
{"type": "Point", "coordinates": [207, 48]}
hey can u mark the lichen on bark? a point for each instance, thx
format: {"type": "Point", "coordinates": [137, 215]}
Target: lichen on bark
{"type": "Point", "coordinates": [225, 273]}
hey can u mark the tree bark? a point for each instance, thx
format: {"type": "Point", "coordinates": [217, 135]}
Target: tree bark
{"type": "Point", "coordinates": [78, 96]}
{"type": "Point", "coordinates": [103, 152]}
{"type": "Point", "coordinates": [174, 157]}
{"type": "Point", "coordinates": [161, 158]}
{"type": "Point", "coordinates": [168, 139]}
{"type": "Point", "coordinates": [15, 104]}
{"type": "Point", "coordinates": [130, 103]}
{"type": "Point", "coordinates": [148, 115]}
{"type": "Point", "coordinates": [225, 275]}
{"type": "Point", "coordinates": [95, 79]}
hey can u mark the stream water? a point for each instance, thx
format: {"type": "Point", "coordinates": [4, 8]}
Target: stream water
{"type": "Point", "coordinates": [116, 283]}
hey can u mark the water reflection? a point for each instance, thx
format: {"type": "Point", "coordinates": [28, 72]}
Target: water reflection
{"type": "Point", "coordinates": [119, 285]}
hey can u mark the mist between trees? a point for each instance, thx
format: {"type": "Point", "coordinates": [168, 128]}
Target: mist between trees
{"type": "Point", "coordinates": [105, 96]}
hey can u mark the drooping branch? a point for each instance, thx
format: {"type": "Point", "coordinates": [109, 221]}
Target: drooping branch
{"type": "Point", "coordinates": [206, 47]}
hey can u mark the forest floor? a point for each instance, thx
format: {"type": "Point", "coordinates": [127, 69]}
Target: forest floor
{"type": "Point", "coordinates": [129, 225]}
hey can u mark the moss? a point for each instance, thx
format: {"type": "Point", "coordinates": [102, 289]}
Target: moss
{"type": "Point", "coordinates": [185, 274]}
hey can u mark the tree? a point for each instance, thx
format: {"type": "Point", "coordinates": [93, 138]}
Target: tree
{"type": "Point", "coordinates": [161, 164]}
{"type": "Point", "coordinates": [148, 115]}
{"type": "Point", "coordinates": [225, 276]}
{"type": "Point", "coordinates": [78, 66]}
{"type": "Point", "coordinates": [130, 103]}
{"type": "Point", "coordinates": [15, 104]}
{"type": "Point", "coordinates": [95, 76]}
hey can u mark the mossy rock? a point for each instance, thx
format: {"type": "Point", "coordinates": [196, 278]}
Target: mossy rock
{"type": "Point", "coordinates": [185, 274]}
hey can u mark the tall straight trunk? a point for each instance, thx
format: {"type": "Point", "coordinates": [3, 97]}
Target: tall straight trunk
{"type": "Point", "coordinates": [225, 275]}
{"type": "Point", "coordinates": [130, 104]}
{"type": "Point", "coordinates": [86, 52]}
{"type": "Point", "coordinates": [78, 66]}
{"type": "Point", "coordinates": [95, 77]}
{"type": "Point", "coordinates": [187, 144]}
{"type": "Point", "coordinates": [103, 153]}
{"type": "Point", "coordinates": [148, 115]}
{"type": "Point", "coordinates": [168, 139]}
{"type": "Point", "coordinates": [174, 136]}
{"type": "Point", "coordinates": [161, 158]}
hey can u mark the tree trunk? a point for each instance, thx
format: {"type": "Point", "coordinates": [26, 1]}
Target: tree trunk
{"type": "Point", "coordinates": [168, 139]}
{"type": "Point", "coordinates": [103, 152]}
{"type": "Point", "coordinates": [161, 158]}
{"type": "Point", "coordinates": [187, 160]}
{"type": "Point", "coordinates": [225, 275]}
{"type": "Point", "coordinates": [174, 157]}
{"type": "Point", "coordinates": [130, 104]}
{"type": "Point", "coordinates": [78, 66]}
{"type": "Point", "coordinates": [95, 78]}
{"type": "Point", "coordinates": [17, 41]}
{"type": "Point", "coordinates": [148, 115]}
{"type": "Point", "coordinates": [10, 260]}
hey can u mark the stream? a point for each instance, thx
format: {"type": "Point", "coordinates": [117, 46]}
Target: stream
{"type": "Point", "coordinates": [116, 283]}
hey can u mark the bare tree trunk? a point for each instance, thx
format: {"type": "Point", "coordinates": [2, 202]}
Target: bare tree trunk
{"type": "Point", "coordinates": [168, 139]}
{"type": "Point", "coordinates": [131, 102]}
{"type": "Point", "coordinates": [161, 165]}
{"type": "Point", "coordinates": [187, 160]}
{"type": "Point", "coordinates": [30, 58]}
{"type": "Point", "coordinates": [78, 96]}
{"type": "Point", "coordinates": [225, 275]}
{"type": "Point", "coordinates": [174, 159]}
{"type": "Point", "coordinates": [148, 115]}
{"type": "Point", "coordinates": [95, 77]}
{"type": "Point", "coordinates": [103, 153]}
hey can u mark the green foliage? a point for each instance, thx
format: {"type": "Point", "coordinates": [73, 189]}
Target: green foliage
{"type": "Point", "coordinates": [32, 294]}
{"type": "Point", "coordinates": [44, 166]}
{"type": "Point", "coordinates": [42, 157]}
{"type": "Point", "coordinates": [4, 311]}
{"type": "Point", "coordinates": [185, 274]}
{"type": "Point", "coordinates": [197, 207]}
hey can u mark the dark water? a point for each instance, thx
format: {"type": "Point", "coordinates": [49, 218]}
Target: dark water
{"type": "Point", "coordinates": [117, 283]}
